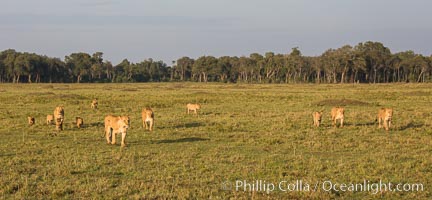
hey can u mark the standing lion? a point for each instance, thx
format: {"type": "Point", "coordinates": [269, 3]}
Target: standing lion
{"type": "Point", "coordinates": [116, 124]}
{"type": "Point", "coordinates": [79, 121]}
{"type": "Point", "coordinates": [385, 116]}
{"type": "Point", "coordinates": [337, 113]}
{"type": "Point", "coordinates": [59, 117]}
{"type": "Point", "coordinates": [193, 107]}
{"type": "Point", "coordinates": [147, 118]}
{"type": "Point", "coordinates": [94, 104]}
{"type": "Point", "coordinates": [49, 119]}
{"type": "Point", "coordinates": [31, 121]}
{"type": "Point", "coordinates": [317, 118]}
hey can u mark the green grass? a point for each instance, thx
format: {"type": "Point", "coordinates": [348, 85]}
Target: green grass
{"type": "Point", "coordinates": [243, 132]}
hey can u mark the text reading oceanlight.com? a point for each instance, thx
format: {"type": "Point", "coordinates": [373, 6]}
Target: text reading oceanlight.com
{"type": "Point", "coordinates": [328, 186]}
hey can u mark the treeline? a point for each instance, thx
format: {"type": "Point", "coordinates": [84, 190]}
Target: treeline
{"type": "Point", "coordinates": [368, 62]}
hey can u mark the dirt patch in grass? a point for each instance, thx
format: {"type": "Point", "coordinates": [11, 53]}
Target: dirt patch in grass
{"type": "Point", "coordinates": [64, 87]}
{"type": "Point", "coordinates": [40, 94]}
{"type": "Point", "coordinates": [341, 102]}
{"type": "Point", "coordinates": [144, 87]}
{"type": "Point", "coordinates": [176, 86]}
{"type": "Point", "coordinates": [188, 139]}
{"type": "Point", "coordinates": [203, 92]}
{"type": "Point", "coordinates": [418, 93]}
{"type": "Point", "coordinates": [71, 96]}
{"type": "Point", "coordinates": [130, 90]}
{"type": "Point", "coordinates": [47, 87]}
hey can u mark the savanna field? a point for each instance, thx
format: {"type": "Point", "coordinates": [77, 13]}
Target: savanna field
{"type": "Point", "coordinates": [243, 132]}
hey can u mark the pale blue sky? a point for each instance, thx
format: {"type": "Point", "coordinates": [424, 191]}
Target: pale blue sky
{"type": "Point", "coordinates": [169, 29]}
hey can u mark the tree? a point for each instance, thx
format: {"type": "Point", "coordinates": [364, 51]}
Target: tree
{"type": "Point", "coordinates": [366, 62]}
{"type": "Point", "coordinates": [22, 66]}
{"type": "Point", "coordinates": [184, 68]}
{"type": "Point", "coordinates": [39, 67]}
{"type": "Point", "coordinates": [96, 68]}
{"type": "Point", "coordinates": [203, 66]}
{"type": "Point", "coordinates": [56, 70]}
{"type": "Point", "coordinates": [270, 66]}
{"type": "Point", "coordinates": [123, 71]}
{"type": "Point", "coordinates": [109, 70]}
{"type": "Point", "coordinates": [244, 64]}
{"type": "Point", "coordinates": [296, 63]}
{"type": "Point", "coordinates": [2, 70]}
{"type": "Point", "coordinates": [346, 57]}
{"type": "Point", "coordinates": [223, 68]}
{"type": "Point", "coordinates": [375, 54]}
{"type": "Point", "coordinates": [421, 67]}
{"type": "Point", "coordinates": [359, 66]}
{"type": "Point", "coordinates": [257, 65]}
{"type": "Point", "coordinates": [80, 64]}
{"type": "Point", "coordinates": [394, 62]}
{"type": "Point", "coordinates": [9, 64]}
{"type": "Point", "coordinates": [291, 66]}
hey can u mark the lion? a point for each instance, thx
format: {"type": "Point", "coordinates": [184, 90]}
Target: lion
{"type": "Point", "coordinates": [59, 117]}
{"type": "Point", "coordinates": [116, 124]}
{"type": "Point", "coordinates": [49, 119]}
{"type": "Point", "coordinates": [147, 117]}
{"type": "Point", "coordinates": [337, 113]}
{"type": "Point", "coordinates": [192, 107]}
{"type": "Point", "coordinates": [79, 121]}
{"type": "Point", "coordinates": [385, 116]}
{"type": "Point", "coordinates": [127, 118]}
{"type": "Point", "coordinates": [317, 118]}
{"type": "Point", "coordinates": [31, 121]}
{"type": "Point", "coordinates": [94, 104]}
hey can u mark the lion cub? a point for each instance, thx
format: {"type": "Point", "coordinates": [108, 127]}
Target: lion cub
{"type": "Point", "coordinates": [49, 119]}
{"type": "Point", "coordinates": [31, 121]}
{"type": "Point", "coordinates": [337, 113]}
{"type": "Point", "coordinates": [193, 107]}
{"type": "Point", "coordinates": [385, 115]}
{"type": "Point", "coordinates": [317, 118]}
{"type": "Point", "coordinates": [94, 104]}
{"type": "Point", "coordinates": [79, 121]}
{"type": "Point", "coordinates": [147, 117]}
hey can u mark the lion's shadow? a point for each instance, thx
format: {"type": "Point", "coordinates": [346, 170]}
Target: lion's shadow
{"type": "Point", "coordinates": [180, 140]}
{"type": "Point", "coordinates": [411, 125]}
{"type": "Point", "coordinates": [189, 125]}
{"type": "Point", "coordinates": [94, 124]}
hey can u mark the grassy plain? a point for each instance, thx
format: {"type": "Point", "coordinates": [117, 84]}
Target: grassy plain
{"type": "Point", "coordinates": [244, 132]}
